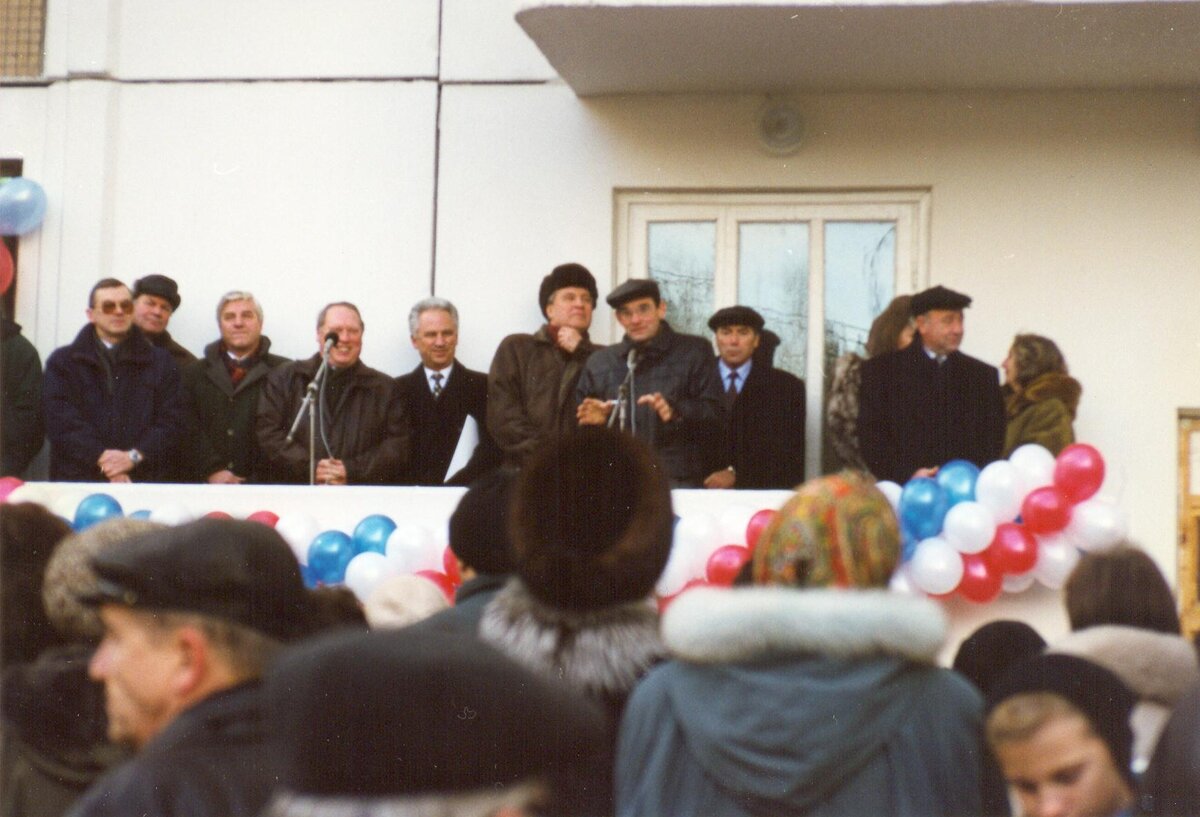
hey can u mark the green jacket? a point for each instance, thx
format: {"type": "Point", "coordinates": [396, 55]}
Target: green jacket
{"type": "Point", "coordinates": [1042, 413]}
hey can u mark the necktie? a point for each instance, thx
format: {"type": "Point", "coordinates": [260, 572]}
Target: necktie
{"type": "Point", "coordinates": [731, 393]}
{"type": "Point", "coordinates": [436, 377]}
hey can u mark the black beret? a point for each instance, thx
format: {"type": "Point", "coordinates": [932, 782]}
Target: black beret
{"type": "Point", "coordinates": [159, 285]}
{"type": "Point", "coordinates": [228, 569]}
{"type": "Point", "coordinates": [1099, 694]}
{"type": "Point", "coordinates": [566, 275]}
{"type": "Point", "coordinates": [633, 289]}
{"type": "Point", "coordinates": [985, 655]}
{"type": "Point", "coordinates": [736, 316]}
{"type": "Point", "coordinates": [479, 524]}
{"type": "Point", "coordinates": [938, 297]}
{"type": "Point", "coordinates": [421, 710]}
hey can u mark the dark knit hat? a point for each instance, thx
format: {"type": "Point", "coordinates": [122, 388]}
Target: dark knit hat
{"type": "Point", "coordinates": [938, 297]}
{"type": "Point", "coordinates": [736, 316]}
{"type": "Point", "coordinates": [1097, 693]}
{"type": "Point", "coordinates": [633, 289]}
{"type": "Point", "coordinates": [479, 524]}
{"type": "Point", "coordinates": [985, 655]}
{"type": "Point", "coordinates": [229, 569]}
{"type": "Point", "coordinates": [159, 285]}
{"type": "Point", "coordinates": [566, 275]}
{"type": "Point", "coordinates": [421, 710]}
{"type": "Point", "coordinates": [592, 521]}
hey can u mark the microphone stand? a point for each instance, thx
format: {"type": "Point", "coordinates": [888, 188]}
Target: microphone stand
{"type": "Point", "coordinates": [310, 394]}
{"type": "Point", "coordinates": [625, 399]}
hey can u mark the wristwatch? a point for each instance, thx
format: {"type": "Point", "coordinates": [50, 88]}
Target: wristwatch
{"type": "Point", "coordinates": [135, 456]}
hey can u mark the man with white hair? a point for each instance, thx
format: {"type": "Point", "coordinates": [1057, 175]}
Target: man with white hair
{"type": "Point", "coordinates": [221, 396]}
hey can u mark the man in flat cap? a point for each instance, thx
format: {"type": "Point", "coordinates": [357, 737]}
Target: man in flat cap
{"type": "Point", "coordinates": [155, 299]}
{"type": "Point", "coordinates": [111, 399]}
{"type": "Point", "coordinates": [423, 720]}
{"type": "Point", "coordinates": [763, 446]}
{"type": "Point", "coordinates": [656, 383]}
{"type": "Point", "coordinates": [531, 385]}
{"type": "Point", "coordinates": [929, 403]}
{"type": "Point", "coordinates": [192, 616]}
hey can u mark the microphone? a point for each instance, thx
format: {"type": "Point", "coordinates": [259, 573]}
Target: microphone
{"type": "Point", "coordinates": [331, 339]}
{"type": "Point", "coordinates": [632, 360]}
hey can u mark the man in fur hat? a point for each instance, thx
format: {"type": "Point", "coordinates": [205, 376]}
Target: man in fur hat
{"type": "Point", "coordinates": [929, 403]}
{"type": "Point", "coordinates": [531, 384]}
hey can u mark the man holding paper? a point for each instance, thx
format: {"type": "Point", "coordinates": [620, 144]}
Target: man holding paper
{"type": "Point", "coordinates": [446, 404]}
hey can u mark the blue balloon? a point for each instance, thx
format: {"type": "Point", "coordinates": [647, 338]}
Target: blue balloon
{"type": "Point", "coordinates": [328, 556]}
{"type": "Point", "coordinates": [22, 206]}
{"type": "Point", "coordinates": [142, 514]}
{"type": "Point", "coordinates": [371, 534]}
{"type": "Point", "coordinates": [95, 508]}
{"type": "Point", "coordinates": [309, 581]}
{"type": "Point", "coordinates": [958, 478]}
{"type": "Point", "coordinates": [923, 506]}
{"type": "Point", "coordinates": [908, 544]}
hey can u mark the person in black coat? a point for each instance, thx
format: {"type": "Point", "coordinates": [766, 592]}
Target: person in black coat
{"type": "Point", "coordinates": [111, 399]}
{"type": "Point", "coordinates": [438, 397]}
{"type": "Point", "coordinates": [221, 394]}
{"type": "Point", "coordinates": [21, 421]}
{"type": "Point", "coordinates": [930, 403]}
{"type": "Point", "coordinates": [763, 446]}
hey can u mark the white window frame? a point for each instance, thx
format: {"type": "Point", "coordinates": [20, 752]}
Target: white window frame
{"type": "Point", "coordinates": [635, 210]}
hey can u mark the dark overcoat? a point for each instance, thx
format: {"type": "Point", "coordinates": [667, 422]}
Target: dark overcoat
{"type": "Point", "coordinates": [764, 440]}
{"type": "Point", "coordinates": [437, 424]}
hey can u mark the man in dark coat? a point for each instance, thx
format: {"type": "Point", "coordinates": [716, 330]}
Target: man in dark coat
{"type": "Point", "coordinates": [929, 403]}
{"type": "Point", "coordinates": [221, 394]}
{"type": "Point", "coordinates": [155, 299]}
{"type": "Point", "coordinates": [111, 399]}
{"type": "Point", "coordinates": [531, 384]}
{"type": "Point", "coordinates": [656, 383]}
{"type": "Point", "coordinates": [764, 441]}
{"type": "Point", "coordinates": [193, 616]}
{"type": "Point", "coordinates": [21, 423]}
{"type": "Point", "coordinates": [362, 432]}
{"type": "Point", "coordinates": [439, 395]}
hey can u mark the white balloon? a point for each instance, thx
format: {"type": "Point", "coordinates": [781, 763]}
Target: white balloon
{"type": "Point", "coordinates": [1096, 524]}
{"type": "Point", "coordinates": [366, 570]}
{"type": "Point", "coordinates": [902, 583]}
{"type": "Point", "coordinates": [936, 567]}
{"type": "Point", "coordinates": [697, 535]}
{"type": "Point", "coordinates": [733, 522]}
{"type": "Point", "coordinates": [1018, 582]}
{"type": "Point", "coordinates": [171, 513]}
{"type": "Point", "coordinates": [676, 574]}
{"type": "Point", "coordinates": [298, 530]}
{"type": "Point", "coordinates": [969, 527]}
{"type": "Point", "coordinates": [892, 491]}
{"type": "Point", "coordinates": [998, 489]}
{"type": "Point", "coordinates": [1035, 467]}
{"type": "Point", "coordinates": [412, 547]}
{"type": "Point", "coordinates": [1057, 557]}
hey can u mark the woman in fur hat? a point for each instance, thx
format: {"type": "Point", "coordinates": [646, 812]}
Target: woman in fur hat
{"type": "Point", "coordinates": [1040, 398]}
{"type": "Point", "coordinates": [815, 691]}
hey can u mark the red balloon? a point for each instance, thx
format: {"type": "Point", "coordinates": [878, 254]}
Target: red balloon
{"type": "Point", "coordinates": [450, 564]}
{"type": "Point", "coordinates": [1046, 510]}
{"type": "Point", "coordinates": [1079, 472]}
{"type": "Point", "coordinates": [441, 580]}
{"type": "Point", "coordinates": [264, 517]}
{"type": "Point", "coordinates": [217, 515]}
{"type": "Point", "coordinates": [665, 601]}
{"type": "Point", "coordinates": [725, 563]}
{"type": "Point", "coordinates": [6, 268]}
{"type": "Point", "coordinates": [1013, 549]}
{"type": "Point", "coordinates": [980, 583]}
{"type": "Point", "coordinates": [7, 486]}
{"type": "Point", "coordinates": [757, 524]}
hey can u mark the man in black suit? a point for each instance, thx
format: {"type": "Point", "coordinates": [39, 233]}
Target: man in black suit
{"type": "Point", "coordinates": [929, 403]}
{"type": "Point", "coordinates": [439, 395]}
{"type": "Point", "coordinates": [764, 439]}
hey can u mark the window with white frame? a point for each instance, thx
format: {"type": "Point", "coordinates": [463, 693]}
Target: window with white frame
{"type": "Point", "coordinates": [818, 266]}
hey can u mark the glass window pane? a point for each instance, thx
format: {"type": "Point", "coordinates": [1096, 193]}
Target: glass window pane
{"type": "Point", "coordinates": [683, 259]}
{"type": "Point", "coordinates": [773, 278]}
{"type": "Point", "coordinates": [860, 280]}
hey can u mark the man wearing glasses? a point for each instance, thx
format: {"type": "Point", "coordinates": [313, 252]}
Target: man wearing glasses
{"type": "Point", "coordinates": [111, 398]}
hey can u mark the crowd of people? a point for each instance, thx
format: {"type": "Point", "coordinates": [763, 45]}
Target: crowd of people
{"type": "Point", "coordinates": [124, 401]}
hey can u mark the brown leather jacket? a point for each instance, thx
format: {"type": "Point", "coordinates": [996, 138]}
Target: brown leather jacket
{"type": "Point", "coordinates": [531, 391]}
{"type": "Point", "coordinates": [367, 429]}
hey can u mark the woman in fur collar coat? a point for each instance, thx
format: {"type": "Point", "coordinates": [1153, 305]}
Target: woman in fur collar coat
{"type": "Point", "coordinates": [814, 692]}
{"type": "Point", "coordinates": [1040, 398]}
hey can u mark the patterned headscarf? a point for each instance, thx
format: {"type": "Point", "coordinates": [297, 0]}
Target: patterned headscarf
{"type": "Point", "coordinates": [837, 531]}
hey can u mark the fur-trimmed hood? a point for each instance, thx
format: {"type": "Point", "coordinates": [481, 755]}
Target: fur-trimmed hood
{"type": "Point", "coordinates": [711, 626]}
{"type": "Point", "coordinates": [1049, 386]}
{"type": "Point", "coordinates": [1157, 667]}
{"type": "Point", "coordinates": [601, 652]}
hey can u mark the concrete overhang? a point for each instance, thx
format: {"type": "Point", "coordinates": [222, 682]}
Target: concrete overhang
{"type": "Point", "coordinates": [665, 46]}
